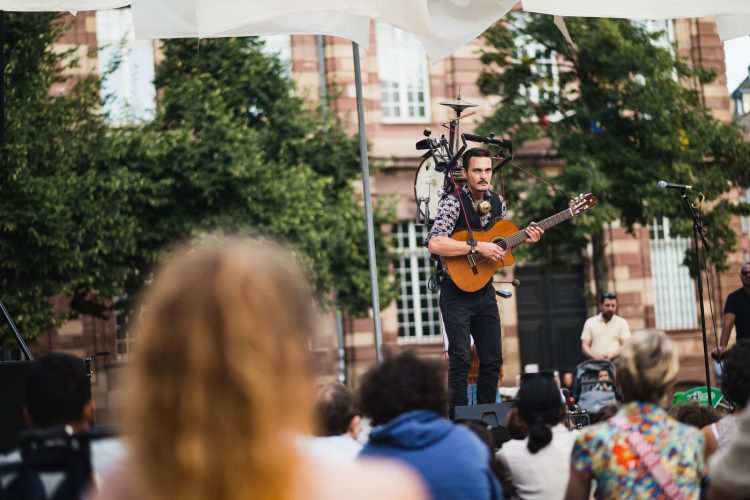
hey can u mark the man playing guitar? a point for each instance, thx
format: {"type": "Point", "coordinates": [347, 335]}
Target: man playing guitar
{"type": "Point", "coordinates": [472, 314]}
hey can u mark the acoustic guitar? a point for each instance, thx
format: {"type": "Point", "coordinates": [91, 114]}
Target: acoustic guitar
{"type": "Point", "coordinates": [472, 272]}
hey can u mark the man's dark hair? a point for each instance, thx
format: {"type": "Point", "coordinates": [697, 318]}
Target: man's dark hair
{"type": "Point", "coordinates": [694, 414]}
{"type": "Point", "coordinates": [607, 295]}
{"type": "Point", "coordinates": [735, 382]}
{"type": "Point", "coordinates": [335, 409]}
{"type": "Point", "coordinates": [474, 153]}
{"type": "Point", "coordinates": [57, 390]}
{"type": "Point", "coordinates": [401, 384]}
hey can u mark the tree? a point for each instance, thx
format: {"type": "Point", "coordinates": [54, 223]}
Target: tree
{"type": "Point", "coordinates": [622, 113]}
{"type": "Point", "coordinates": [64, 222]}
{"type": "Point", "coordinates": [87, 210]}
{"type": "Point", "coordinates": [233, 148]}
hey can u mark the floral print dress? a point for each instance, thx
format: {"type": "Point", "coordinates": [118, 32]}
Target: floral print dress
{"type": "Point", "coordinates": [604, 452]}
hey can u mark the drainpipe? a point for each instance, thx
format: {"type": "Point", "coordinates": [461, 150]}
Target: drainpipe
{"type": "Point", "coordinates": [323, 77]}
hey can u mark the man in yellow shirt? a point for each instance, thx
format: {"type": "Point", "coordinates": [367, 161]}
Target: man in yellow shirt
{"type": "Point", "coordinates": [604, 334]}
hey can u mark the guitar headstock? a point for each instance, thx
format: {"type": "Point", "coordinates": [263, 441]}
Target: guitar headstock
{"type": "Point", "coordinates": [582, 203]}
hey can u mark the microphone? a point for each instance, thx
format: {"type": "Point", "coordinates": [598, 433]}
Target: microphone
{"type": "Point", "coordinates": [425, 143]}
{"type": "Point", "coordinates": [503, 143]}
{"type": "Point", "coordinates": [672, 185]}
{"type": "Point", "coordinates": [515, 282]}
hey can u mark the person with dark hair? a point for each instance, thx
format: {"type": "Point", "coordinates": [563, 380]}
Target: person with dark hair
{"type": "Point", "coordinates": [517, 428]}
{"type": "Point", "coordinates": [604, 334]}
{"type": "Point", "coordinates": [338, 424]}
{"type": "Point", "coordinates": [58, 394]}
{"type": "Point", "coordinates": [540, 463]}
{"type": "Point", "coordinates": [566, 380]}
{"type": "Point", "coordinates": [604, 383]}
{"type": "Point", "coordinates": [736, 312]}
{"type": "Point", "coordinates": [735, 384]}
{"type": "Point", "coordinates": [336, 411]}
{"type": "Point", "coordinates": [406, 399]}
{"type": "Point", "coordinates": [694, 413]}
{"type": "Point", "coordinates": [469, 315]}
{"type": "Point", "coordinates": [605, 413]}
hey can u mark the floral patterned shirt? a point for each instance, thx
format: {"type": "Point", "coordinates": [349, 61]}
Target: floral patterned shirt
{"type": "Point", "coordinates": [449, 210]}
{"type": "Point", "coordinates": [603, 452]}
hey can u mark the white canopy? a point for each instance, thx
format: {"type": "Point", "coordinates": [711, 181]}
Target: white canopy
{"type": "Point", "coordinates": [637, 9]}
{"type": "Point", "coordinates": [733, 26]}
{"type": "Point", "coordinates": [443, 26]}
{"type": "Point", "coordinates": [732, 16]}
{"type": "Point", "coordinates": [60, 5]}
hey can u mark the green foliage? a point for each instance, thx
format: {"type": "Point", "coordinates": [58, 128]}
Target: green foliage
{"type": "Point", "coordinates": [87, 210]}
{"type": "Point", "coordinates": [621, 115]}
{"type": "Point", "coordinates": [233, 149]}
{"type": "Point", "coordinates": [64, 222]}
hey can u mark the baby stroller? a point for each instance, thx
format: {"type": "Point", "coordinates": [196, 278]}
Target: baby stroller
{"type": "Point", "coordinates": [592, 388]}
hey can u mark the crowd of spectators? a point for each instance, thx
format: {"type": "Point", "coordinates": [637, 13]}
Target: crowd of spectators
{"type": "Point", "coordinates": [222, 403]}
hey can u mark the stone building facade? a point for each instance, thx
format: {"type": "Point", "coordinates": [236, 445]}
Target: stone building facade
{"type": "Point", "coordinates": [402, 94]}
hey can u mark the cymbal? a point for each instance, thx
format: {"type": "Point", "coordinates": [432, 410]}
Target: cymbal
{"type": "Point", "coordinates": [458, 104]}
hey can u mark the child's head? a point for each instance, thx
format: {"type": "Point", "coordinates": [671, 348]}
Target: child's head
{"type": "Point", "coordinates": [567, 379]}
{"type": "Point", "coordinates": [603, 376]}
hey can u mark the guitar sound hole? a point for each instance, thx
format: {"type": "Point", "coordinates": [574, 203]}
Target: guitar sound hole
{"type": "Point", "coordinates": [501, 243]}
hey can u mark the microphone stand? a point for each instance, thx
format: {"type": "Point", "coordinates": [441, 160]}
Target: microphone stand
{"type": "Point", "coordinates": [698, 231]}
{"type": "Point", "coordinates": [19, 339]}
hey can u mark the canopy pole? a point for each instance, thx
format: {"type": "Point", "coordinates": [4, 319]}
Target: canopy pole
{"type": "Point", "coordinates": [368, 204]}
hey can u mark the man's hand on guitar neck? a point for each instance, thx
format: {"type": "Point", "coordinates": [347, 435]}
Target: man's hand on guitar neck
{"type": "Point", "coordinates": [534, 232]}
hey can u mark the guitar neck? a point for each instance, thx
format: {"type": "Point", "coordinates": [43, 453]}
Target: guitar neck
{"type": "Point", "coordinates": [519, 237]}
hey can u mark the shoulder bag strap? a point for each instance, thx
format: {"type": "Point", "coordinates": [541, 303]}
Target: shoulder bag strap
{"type": "Point", "coordinates": [650, 459]}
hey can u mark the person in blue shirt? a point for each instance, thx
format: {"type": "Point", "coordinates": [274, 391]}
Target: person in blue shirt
{"type": "Point", "coordinates": [406, 399]}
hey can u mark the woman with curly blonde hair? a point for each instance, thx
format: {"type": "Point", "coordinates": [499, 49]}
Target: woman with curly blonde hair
{"type": "Point", "coordinates": [221, 386]}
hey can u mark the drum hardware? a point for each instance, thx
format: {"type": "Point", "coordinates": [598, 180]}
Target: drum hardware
{"type": "Point", "coordinates": [420, 201]}
{"type": "Point", "coordinates": [432, 181]}
{"type": "Point", "coordinates": [447, 124]}
{"type": "Point", "coordinates": [442, 161]}
{"type": "Point", "coordinates": [458, 105]}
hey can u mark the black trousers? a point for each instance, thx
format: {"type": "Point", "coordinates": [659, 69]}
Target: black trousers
{"type": "Point", "coordinates": [471, 314]}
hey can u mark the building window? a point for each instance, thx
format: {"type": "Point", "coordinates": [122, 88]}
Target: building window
{"type": "Point", "coordinates": [663, 28]}
{"type": "Point", "coordinates": [418, 315]}
{"type": "Point", "coordinates": [126, 66]}
{"type": "Point", "coordinates": [543, 66]}
{"type": "Point", "coordinates": [404, 81]}
{"type": "Point", "coordinates": [739, 105]}
{"type": "Point", "coordinates": [674, 289]}
{"type": "Point", "coordinates": [542, 63]}
{"type": "Point", "coordinates": [124, 336]}
{"type": "Point", "coordinates": [279, 46]}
